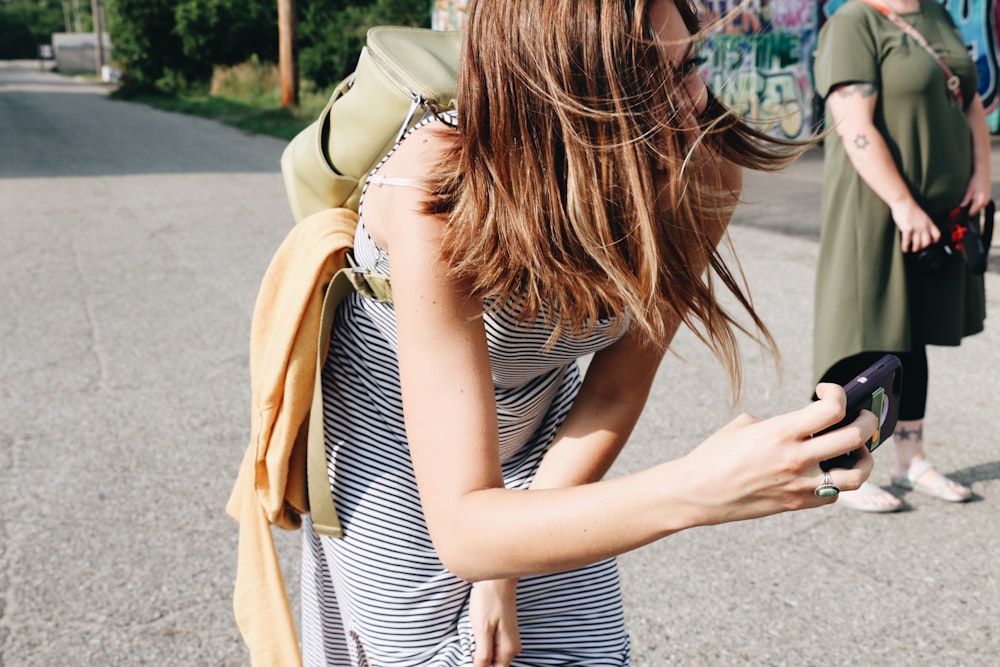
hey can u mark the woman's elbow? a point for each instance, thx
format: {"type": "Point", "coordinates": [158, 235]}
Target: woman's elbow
{"type": "Point", "coordinates": [466, 541]}
{"type": "Point", "coordinates": [459, 557]}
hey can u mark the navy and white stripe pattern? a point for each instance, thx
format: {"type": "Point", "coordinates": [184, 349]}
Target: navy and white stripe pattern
{"type": "Point", "coordinates": [380, 596]}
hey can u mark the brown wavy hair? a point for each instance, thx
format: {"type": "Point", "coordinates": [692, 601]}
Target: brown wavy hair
{"type": "Point", "coordinates": [567, 110]}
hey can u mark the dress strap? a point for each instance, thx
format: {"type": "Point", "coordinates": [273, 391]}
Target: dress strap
{"type": "Point", "coordinates": [379, 179]}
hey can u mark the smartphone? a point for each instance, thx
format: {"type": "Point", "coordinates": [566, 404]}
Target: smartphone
{"type": "Point", "coordinates": [876, 388]}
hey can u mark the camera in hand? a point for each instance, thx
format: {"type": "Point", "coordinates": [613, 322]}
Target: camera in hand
{"type": "Point", "coordinates": [961, 235]}
{"type": "Point", "coordinates": [932, 258]}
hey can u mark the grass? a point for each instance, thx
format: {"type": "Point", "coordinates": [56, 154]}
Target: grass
{"type": "Point", "coordinates": [247, 96]}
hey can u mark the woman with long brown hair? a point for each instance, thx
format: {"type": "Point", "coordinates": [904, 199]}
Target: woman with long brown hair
{"type": "Point", "coordinates": [571, 206]}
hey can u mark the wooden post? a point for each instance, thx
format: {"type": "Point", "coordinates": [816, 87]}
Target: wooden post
{"type": "Point", "coordinates": [97, 12]}
{"type": "Point", "coordinates": [288, 69]}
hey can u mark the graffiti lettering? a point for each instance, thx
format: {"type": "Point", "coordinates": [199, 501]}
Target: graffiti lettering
{"type": "Point", "coordinates": [763, 51]}
{"type": "Point", "coordinates": [771, 100]}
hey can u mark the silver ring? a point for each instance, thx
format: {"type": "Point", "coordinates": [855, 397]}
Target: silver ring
{"type": "Point", "coordinates": [827, 489]}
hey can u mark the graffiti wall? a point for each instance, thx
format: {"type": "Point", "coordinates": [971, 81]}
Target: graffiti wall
{"type": "Point", "coordinates": [448, 14]}
{"type": "Point", "coordinates": [759, 59]}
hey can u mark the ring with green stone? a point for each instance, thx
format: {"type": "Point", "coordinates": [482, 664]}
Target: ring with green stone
{"type": "Point", "coordinates": [827, 489]}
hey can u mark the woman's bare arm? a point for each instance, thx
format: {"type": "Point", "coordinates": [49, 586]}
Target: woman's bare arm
{"type": "Point", "coordinates": [480, 529]}
{"type": "Point", "coordinates": [853, 106]}
{"type": "Point", "coordinates": [979, 191]}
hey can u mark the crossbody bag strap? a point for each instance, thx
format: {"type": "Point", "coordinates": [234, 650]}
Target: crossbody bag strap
{"type": "Point", "coordinates": [322, 510]}
{"type": "Point", "coordinates": [953, 82]}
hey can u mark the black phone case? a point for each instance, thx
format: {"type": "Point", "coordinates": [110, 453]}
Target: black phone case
{"type": "Point", "coordinates": [877, 388]}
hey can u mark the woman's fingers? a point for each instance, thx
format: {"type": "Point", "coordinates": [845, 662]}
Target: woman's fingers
{"type": "Point", "coordinates": [844, 479]}
{"type": "Point", "coordinates": [493, 616]}
{"type": "Point", "coordinates": [818, 415]}
{"type": "Point", "coordinates": [851, 437]}
{"type": "Point", "coordinates": [762, 467]}
{"type": "Point", "coordinates": [805, 422]}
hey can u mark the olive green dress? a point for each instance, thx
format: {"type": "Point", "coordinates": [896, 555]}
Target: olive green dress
{"type": "Point", "coordinates": [869, 296]}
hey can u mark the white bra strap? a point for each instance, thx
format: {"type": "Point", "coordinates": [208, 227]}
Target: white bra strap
{"type": "Point", "coordinates": [379, 179]}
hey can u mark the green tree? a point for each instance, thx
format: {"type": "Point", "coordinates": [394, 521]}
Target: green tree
{"type": "Point", "coordinates": [332, 32]}
{"type": "Point", "coordinates": [16, 40]}
{"type": "Point", "coordinates": [171, 43]}
{"type": "Point", "coordinates": [24, 24]}
{"type": "Point", "coordinates": [146, 45]}
{"type": "Point", "coordinates": [227, 32]}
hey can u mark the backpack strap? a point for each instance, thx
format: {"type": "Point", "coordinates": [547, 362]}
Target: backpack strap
{"type": "Point", "coordinates": [347, 280]}
{"type": "Point", "coordinates": [951, 80]}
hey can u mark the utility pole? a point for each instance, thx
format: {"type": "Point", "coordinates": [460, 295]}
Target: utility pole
{"type": "Point", "coordinates": [288, 67]}
{"type": "Point", "coordinates": [97, 10]}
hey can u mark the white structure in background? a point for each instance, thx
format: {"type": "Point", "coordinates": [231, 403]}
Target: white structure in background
{"type": "Point", "coordinates": [76, 52]}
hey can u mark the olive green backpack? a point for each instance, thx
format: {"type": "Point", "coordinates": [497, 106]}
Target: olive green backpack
{"type": "Point", "coordinates": [402, 74]}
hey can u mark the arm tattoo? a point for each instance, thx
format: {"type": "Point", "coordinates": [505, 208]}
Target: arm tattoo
{"type": "Point", "coordinates": [862, 89]}
{"type": "Point", "coordinates": [861, 141]}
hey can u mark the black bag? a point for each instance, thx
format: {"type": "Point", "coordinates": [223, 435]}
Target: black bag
{"type": "Point", "coordinates": [964, 235]}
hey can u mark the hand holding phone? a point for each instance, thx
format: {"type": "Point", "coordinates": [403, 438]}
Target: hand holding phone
{"type": "Point", "coordinates": [877, 388]}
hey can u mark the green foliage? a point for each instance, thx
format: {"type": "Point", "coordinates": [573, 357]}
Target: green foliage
{"type": "Point", "coordinates": [245, 96]}
{"type": "Point", "coordinates": [251, 80]}
{"type": "Point", "coordinates": [16, 40]}
{"type": "Point", "coordinates": [227, 32]}
{"type": "Point", "coordinates": [158, 36]}
{"type": "Point", "coordinates": [332, 32]}
{"type": "Point", "coordinates": [24, 24]}
{"type": "Point", "coordinates": [145, 44]}
{"type": "Point", "coordinates": [174, 44]}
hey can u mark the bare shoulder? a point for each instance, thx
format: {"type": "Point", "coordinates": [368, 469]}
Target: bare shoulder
{"type": "Point", "coordinates": [400, 195]}
{"type": "Point", "coordinates": [420, 149]}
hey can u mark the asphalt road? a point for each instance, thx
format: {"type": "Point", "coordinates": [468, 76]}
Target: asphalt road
{"type": "Point", "coordinates": [132, 242]}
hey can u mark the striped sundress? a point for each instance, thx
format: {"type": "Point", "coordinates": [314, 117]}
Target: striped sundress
{"type": "Point", "coordinates": [380, 596]}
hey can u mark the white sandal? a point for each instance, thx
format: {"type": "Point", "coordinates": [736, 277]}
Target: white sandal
{"type": "Point", "coordinates": [866, 499]}
{"type": "Point", "coordinates": [944, 488]}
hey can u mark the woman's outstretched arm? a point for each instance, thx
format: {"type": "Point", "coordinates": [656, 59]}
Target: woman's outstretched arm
{"type": "Point", "coordinates": [481, 530]}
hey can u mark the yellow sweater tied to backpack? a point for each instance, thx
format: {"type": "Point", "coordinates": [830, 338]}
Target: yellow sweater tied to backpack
{"type": "Point", "coordinates": [271, 486]}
